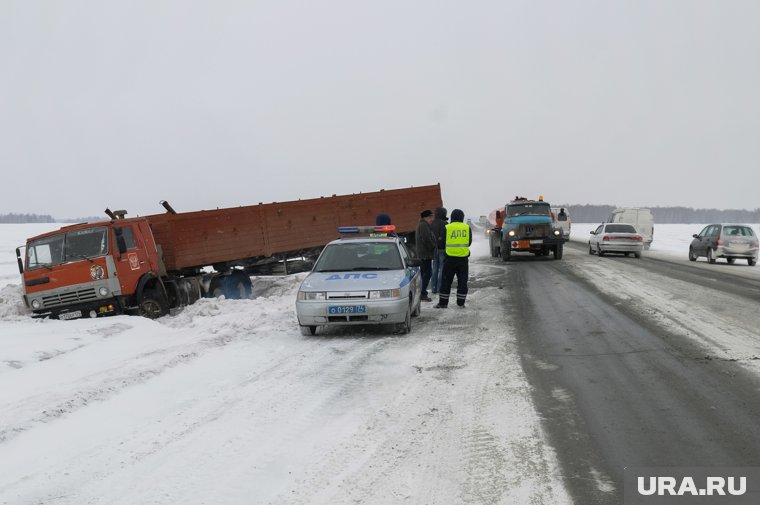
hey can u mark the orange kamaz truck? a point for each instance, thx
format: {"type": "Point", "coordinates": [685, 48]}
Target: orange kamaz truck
{"type": "Point", "coordinates": [149, 265]}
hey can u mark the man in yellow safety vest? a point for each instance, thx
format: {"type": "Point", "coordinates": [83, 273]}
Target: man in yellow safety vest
{"type": "Point", "coordinates": [458, 241]}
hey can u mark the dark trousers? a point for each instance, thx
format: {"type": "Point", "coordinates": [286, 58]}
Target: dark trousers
{"type": "Point", "coordinates": [426, 269]}
{"type": "Point", "coordinates": [440, 257]}
{"type": "Point", "coordinates": [459, 267]}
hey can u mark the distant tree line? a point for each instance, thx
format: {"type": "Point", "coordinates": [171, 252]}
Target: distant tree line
{"type": "Point", "coordinates": [26, 218]}
{"type": "Point", "coordinates": [667, 215]}
{"type": "Point", "coordinates": [46, 218]}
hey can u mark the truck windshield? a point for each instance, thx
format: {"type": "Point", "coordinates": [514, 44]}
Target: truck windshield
{"type": "Point", "coordinates": [528, 209]}
{"type": "Point", "coordinates": [65, 247]}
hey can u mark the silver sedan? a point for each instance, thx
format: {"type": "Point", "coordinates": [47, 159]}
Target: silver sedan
{"type": "Point", "coordinates": [616, 238]}
{"type": "Point", "coordinates": [359, 281]}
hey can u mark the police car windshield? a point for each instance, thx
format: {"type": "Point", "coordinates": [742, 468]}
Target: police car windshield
{"type": "Point", "coordinates": [363, 256]}
{"type": "Point", "coordinates": [529, 209]}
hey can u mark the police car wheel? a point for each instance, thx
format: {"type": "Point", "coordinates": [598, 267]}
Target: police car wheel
{"type": "Point", "coordinates": [417, 309]}
{"type": "Point", "coordinates": [406, 326]}
{"type": "Point", "coordinates": [308, 331]}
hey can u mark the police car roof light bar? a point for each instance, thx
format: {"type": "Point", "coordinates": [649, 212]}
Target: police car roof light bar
{"type": "Point", "coordinates": [367, 229]}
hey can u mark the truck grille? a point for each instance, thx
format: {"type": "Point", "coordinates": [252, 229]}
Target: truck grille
{"type": "Point", "coordinates": [83, 295]}
{"type": "Point", "coordinates": [534, 230]}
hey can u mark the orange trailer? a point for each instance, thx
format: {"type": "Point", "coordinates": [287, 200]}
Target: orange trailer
{"type": "Point", "coordinates": [150, 264]}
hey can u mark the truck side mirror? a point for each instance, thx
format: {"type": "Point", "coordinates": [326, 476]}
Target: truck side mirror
{"type": "Point", "coordinates": [120, 242]}
{"type": "Point", "coordinates": [20, 261]}
{"type": "Point", "coordinates": [498, 214]}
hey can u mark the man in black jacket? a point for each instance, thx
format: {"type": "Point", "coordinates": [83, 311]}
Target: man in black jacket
{"type": "Point", "coordinates": [425, 245]}
{"type": "Point", "coordinates": [439, 231]}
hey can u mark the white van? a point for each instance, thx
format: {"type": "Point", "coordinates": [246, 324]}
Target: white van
{"type": "Point", "coordinates": [639, 217]}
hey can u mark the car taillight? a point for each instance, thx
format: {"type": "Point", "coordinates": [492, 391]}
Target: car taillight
{"type": "Point", "coordinates": [717, 241]}
{"type": "Point", "coordinates": [606, 238]}
{"type": "Point", "coordinates": [638, 238]}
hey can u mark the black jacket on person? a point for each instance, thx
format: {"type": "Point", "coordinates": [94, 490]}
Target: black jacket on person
{"type": "Point", "coordinates": [424, 241]}
{"type": "Point", "coordinates": [439, 228]}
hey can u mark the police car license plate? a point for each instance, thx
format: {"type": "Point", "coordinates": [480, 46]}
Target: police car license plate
{"type": "Point", "coordinates": [70, 315]}
{"type": "Point", "coordinates": [347, 309]}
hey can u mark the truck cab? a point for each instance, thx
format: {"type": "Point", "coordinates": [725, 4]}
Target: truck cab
{"type": "Point", "coordinates": [528, 226]}
{"type": "Point", "coordinates": [89, 269]}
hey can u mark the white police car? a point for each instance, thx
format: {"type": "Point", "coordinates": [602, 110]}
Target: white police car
{"type": "Point", "coordinates": [362, 280]}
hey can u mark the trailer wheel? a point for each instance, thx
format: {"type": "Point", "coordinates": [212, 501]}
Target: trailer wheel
{"type": "Point", "coordinates": [153, 305]}
{"type": "Point", "coordinates": [238, 286]}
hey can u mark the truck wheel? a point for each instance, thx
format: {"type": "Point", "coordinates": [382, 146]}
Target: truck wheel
{"type": "Point", "coordinates": [506, 252]}
{"type": "Point", "coordinates": [153, 305]}
{"type": "Point", "coordinates": [496, 251]}
{"type": "Point", "coordinates": [558, 250]}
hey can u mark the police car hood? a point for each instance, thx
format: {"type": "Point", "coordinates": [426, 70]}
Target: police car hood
{"type": "Point", "coordinates": [356, 281]}
{"type": "Point", "coordinates": [531, 220]}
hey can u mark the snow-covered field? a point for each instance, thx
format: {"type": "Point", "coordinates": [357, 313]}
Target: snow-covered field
{"type": "Point", "coordinates": [226, 403]}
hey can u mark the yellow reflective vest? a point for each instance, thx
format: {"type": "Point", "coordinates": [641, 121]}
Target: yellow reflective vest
{"type": "Point", "coordinates": [457, 239]}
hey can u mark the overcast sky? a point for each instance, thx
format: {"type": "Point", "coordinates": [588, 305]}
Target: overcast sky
{"type": "Point", "coordinates": [226, 103]}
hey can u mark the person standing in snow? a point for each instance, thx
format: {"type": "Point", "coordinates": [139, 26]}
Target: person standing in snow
{"type": "Point", "coordinates": [458, 242]}
{"type": "Point", "coordinates": [425, 246]}
{"type": "Point", "coordinates": [439, 231]}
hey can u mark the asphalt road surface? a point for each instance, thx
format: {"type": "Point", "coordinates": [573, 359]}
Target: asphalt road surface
{"type": "Point", "coordinates": [636, 363]}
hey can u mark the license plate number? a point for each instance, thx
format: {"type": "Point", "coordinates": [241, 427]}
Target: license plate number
{"type": "Point", "coordinates": [347, 309]}
{"type": "Point", "coordinates": [70, 315]}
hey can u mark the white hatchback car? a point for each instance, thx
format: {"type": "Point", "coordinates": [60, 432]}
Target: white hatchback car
{"type": "Point", "coordinates": [355, 281]}
{"type": "Point", "coordinates": [616, 238]}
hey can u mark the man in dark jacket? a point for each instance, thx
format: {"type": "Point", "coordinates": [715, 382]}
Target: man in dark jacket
{"type": "Point", "coordinates": [439, 231]}
{"type": "Point", "coordinates": [425, 245]}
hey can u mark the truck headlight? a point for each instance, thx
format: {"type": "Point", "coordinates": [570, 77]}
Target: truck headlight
{"type": "Point", "coordinates": [311, 295]}
{"type": "Point", "coordinates": [384, 293]}
{"type": "Point", "coordinates": [511, 233]}
{"type": "Point", "coordinates": [103, 291]}
{"type": "Point", "coordinates": [556, 233]}
{"type": "Point", "coordinates": [36, 304]}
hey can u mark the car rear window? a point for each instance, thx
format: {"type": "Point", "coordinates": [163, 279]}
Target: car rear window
{"type": "Point", "coordinates": [620, 228]}
{"type": "Point", "coordinates": [741, 231]}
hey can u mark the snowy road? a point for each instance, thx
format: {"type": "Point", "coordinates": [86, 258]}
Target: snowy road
{"type": "Point", "coordinates": [226, 403]}
{"type": "Point", "coordinates": [646, 362]}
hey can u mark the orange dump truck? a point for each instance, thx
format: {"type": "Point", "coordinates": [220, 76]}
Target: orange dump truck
{"type": "Point", "coordinates": [148, 265]}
